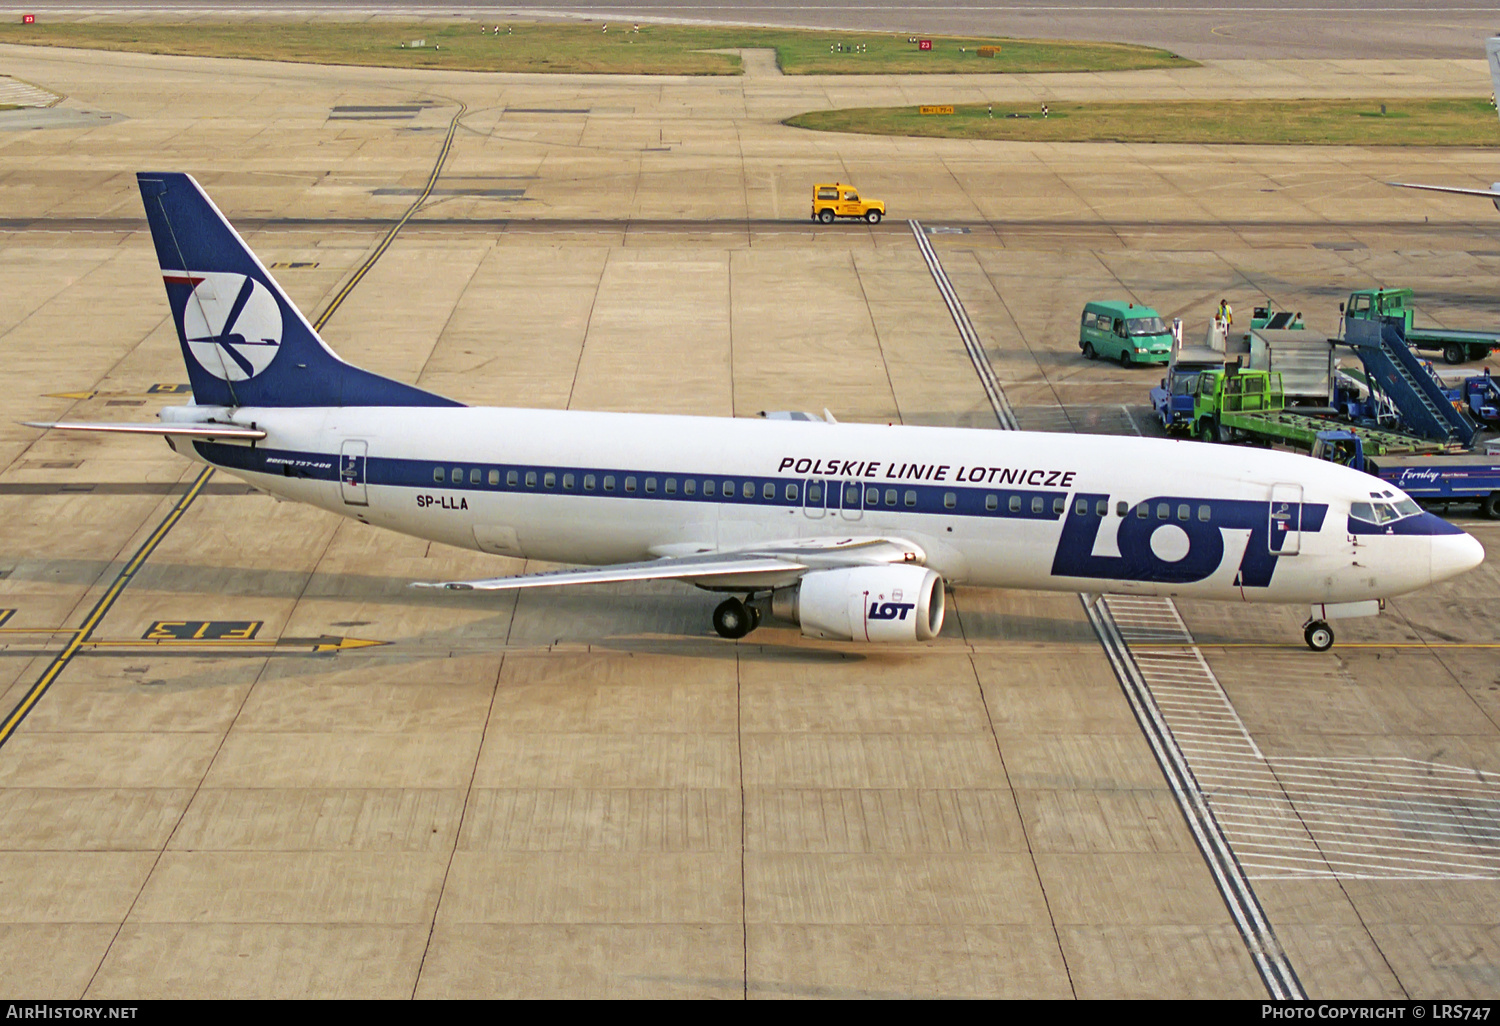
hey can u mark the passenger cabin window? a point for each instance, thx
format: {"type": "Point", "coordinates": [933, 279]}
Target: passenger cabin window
{"type": "Point", "coordinates": [549, 480]}
{"type": "Point", "coordinates": [1121, 508]}
{"type": "Point", "coordinates": [748, 491]}
{"type": "Point", "coordinates": [630, 483]}
{"type": "Point", "coordinates": [1015, 504]}
{"type": "Point", "coordinates": [689, 487]}
{"type": "Point", "coordinates": [708, 487]}
{"type": "Point", "coordinates": [1163, 510]}
{"type": "Point", "coordinates": [815, 494]}
{"type": "Point", "coordinates": [568, 480]}
{"type": "Point", "coordinates": [530, 479]}
{"type": "Point", "coordinates": [890, 496]}
{"type": "Point", "coordinates": [1037, 503]}
{"type": "Point", "coordinates": [1101, 508]}
{"type": "Point", "coordinates": [950, 500]}
{"type": "Point", "coordinates": [910, 498]}
{"type": "Point", "coordinates": [1204, 513]}
{"type": "Point", "coordinates": [791, 493]}
{"type": "Point", "coordinates": [1182, 511]}
{"type": "Point", "coordinates": [1081, 507]}
{"type": "Point", "coordinates": [1059, 505]}
{"type": "Point", "coordinates": [670, 486]}
{"type": "Point", "coordinates": [588, 482]}
{"type": "Point", "coordinates": [494, 478]}
{"type": "Point", "coordinates": [991, 502]}
{"type": "Point", "coordinates": [768, 491]}
{"type": "Point", "coordinates": [851, 496]}
{"type": "Point", "coordinates": [650, 486]}
{"type": "Point", "coordinates": [457, 475]}
{"type": "Point", "coordinates": [437, 475]}
{"type": "Point", "coordinates": [474, 476]}
{"type": "Point", "coordinates": [609, 482]}
{"type": "Point", "coordinates": [872, 496]}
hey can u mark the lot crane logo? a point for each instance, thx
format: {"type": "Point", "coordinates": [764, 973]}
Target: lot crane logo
{"type": "Point", "coordinates": [232, 324]}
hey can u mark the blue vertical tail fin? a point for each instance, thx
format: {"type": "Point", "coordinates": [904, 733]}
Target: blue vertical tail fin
{"type": "Point", "coordinates": [244, 342]}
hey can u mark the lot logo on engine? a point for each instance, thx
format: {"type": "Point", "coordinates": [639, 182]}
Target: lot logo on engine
{"type": "Point", "coordinates": [890, 610]}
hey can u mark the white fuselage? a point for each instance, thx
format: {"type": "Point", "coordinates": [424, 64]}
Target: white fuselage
{"type": "Point", "coordinates": [989, 508]}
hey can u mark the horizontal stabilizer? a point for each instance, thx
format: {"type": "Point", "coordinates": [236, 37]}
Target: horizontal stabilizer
{"type": "Point", "coordinates": [220, 431]}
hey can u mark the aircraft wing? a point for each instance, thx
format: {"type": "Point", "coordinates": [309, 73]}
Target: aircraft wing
{"type": "Point", "coordinates": [1488, 193]}
{"type": "Point", "coordinates": [190, 430]}
{"type": "Point", "coordinates": [758, 567]}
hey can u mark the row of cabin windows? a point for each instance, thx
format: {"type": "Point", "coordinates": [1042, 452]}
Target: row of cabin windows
{"type": "Point", "coordinates": [1143, 511]}
{"type": "Point", "coordinates": [513, 479]}
{"type": "Point", "coordinates": [872, 496]}
{"type": "Point", "coordinates": [591, 482]}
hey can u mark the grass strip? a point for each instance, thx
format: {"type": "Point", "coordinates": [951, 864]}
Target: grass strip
{"type": "Point", "coordinates": [1419, 122]}
{"type": "Point", "coordinates": [603, 48]}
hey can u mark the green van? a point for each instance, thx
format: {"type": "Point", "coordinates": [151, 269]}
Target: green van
{"type": "Point", "coordinates": [1124, 332]}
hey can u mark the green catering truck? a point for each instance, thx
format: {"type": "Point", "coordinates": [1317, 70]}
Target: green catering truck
{"type": "Point", "coordinates": [1456, 345]}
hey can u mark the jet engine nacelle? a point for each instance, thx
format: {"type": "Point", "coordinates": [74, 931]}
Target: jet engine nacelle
{"type": "Point", "coordinates": [866, 603]}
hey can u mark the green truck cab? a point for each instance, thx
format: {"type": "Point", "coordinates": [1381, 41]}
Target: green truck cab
{"type": "Point", "coordinates": [1455, 344]}
{"type": "Point", "coordinates": [1223, 398]}
{"type": "Point", "coordinates": [1125, 332]}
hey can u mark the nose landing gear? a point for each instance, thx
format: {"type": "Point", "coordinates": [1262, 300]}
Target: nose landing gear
{"type": "Point", "coordinates": [734, 619]}
{"type": "Point", "coordinates": [1318, 635]}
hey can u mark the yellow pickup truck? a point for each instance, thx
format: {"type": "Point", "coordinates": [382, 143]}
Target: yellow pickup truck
{"type": "Point", "coordinates": [839, 200]}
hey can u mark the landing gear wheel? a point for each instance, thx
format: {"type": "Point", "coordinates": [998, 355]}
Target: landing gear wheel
{"type": "Point", "coordinates": [754, 617]}
{"type": "Point", "coordinates": [1454, 353]}
{"type": "Point", "coordinates": [733, 619]}
{"type": "Point", "coordinates": [1319, 635]}
{"type": "Point", "coordinates": [826, 216]}
{"type": "Point", "coordinates": [1089, 352]}
{"type": "Point", "coordinates": [873, 216]}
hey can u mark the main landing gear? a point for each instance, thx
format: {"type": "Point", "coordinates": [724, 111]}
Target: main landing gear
{"type": "Point", "coordinates": [734, 619]}
{"type": "Point", "coordinates": [1318, 635]}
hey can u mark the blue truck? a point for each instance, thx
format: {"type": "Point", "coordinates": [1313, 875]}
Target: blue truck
{"type": "Point", "coordinates": [1432, 479]}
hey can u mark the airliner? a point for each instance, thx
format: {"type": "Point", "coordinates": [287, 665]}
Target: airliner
{"type": "Point", "coordinates": [847, 531]}
{"type": "Point", "coordinates": [1492, 55]}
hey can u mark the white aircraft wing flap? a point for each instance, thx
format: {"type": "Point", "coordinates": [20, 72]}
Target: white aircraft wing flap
{"type": "Point", "coordinates": [670, 568]}
{"type": "Point", "coordinates": [1488, 193]}
{"type": "Point", "coordinates": [764, 566]}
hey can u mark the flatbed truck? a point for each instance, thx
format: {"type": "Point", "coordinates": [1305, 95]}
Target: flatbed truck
{"type": "Point", "coordinates": [1233, 405]}
{"type": "Point", "coordinates": [1456, 345]}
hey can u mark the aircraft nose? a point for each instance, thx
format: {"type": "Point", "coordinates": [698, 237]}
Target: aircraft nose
{"type": "Point", "coordinates": [1452, 554]}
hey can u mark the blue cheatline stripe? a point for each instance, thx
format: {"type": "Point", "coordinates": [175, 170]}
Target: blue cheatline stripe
{"type": "Point", "coordinates": [627, 483]}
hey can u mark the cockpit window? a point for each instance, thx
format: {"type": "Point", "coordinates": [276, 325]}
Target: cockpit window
{"type": "Point", "coordinates": [1383, 512]}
